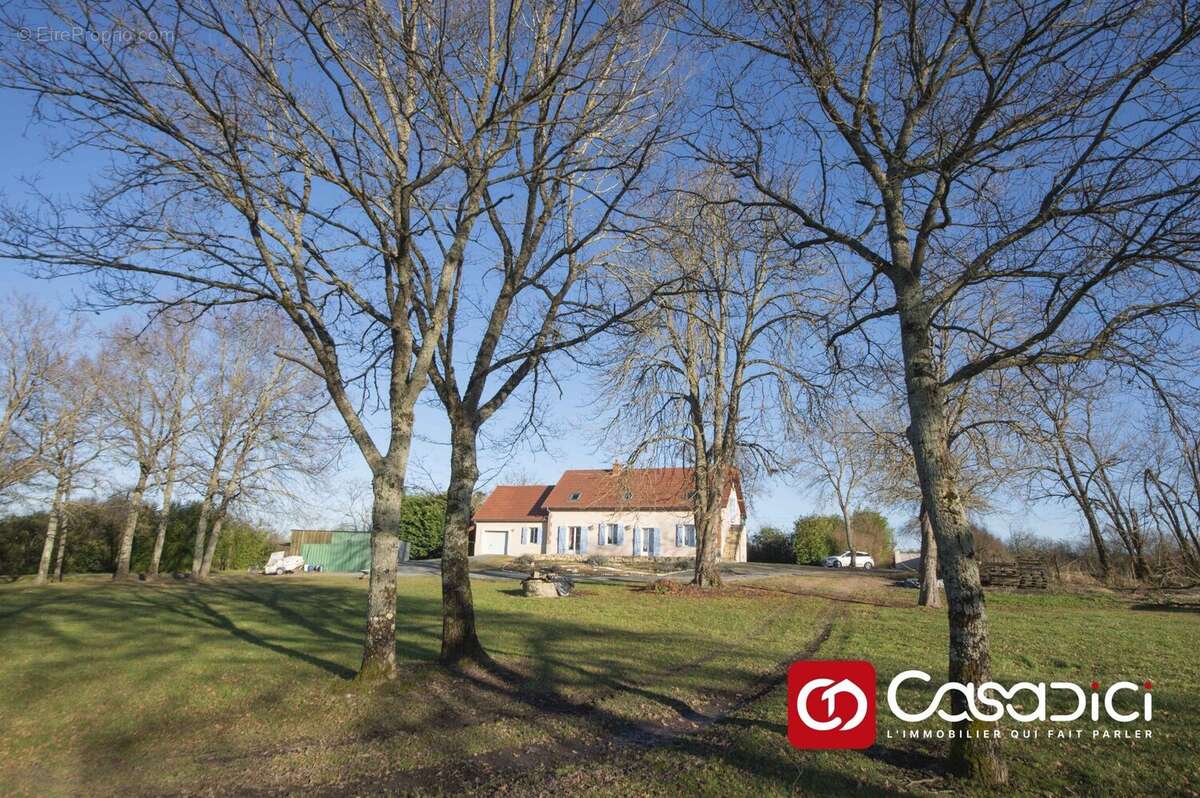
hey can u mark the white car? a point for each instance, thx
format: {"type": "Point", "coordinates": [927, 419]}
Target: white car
{"type": "Point", "coordinates": [861, 559]}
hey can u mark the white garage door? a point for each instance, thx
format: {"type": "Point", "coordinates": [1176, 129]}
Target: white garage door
{"type": "Point", "coordinates": [495, 542]}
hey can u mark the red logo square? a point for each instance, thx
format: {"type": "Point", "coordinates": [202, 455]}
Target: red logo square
{"type": "Point", "coordinates": [831, 703]}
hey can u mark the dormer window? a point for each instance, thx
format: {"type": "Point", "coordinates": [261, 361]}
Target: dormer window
{"type": "Point", "coordinates": [628, 495]}
{"type": "Point", "coordinates": [575, 496]}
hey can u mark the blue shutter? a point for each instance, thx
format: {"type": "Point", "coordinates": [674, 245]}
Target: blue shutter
{"type": "Point", "coordinates": [562, 540]}
{"type": "Point", "coordinates": [637, 542]}
{"type": "Point", "coordinates": [524, 535]}
{"type": "Point", "coordinates": [679, 534]}
{"type": "Point", "coordinates": [655, 542]}
{"type": "Point", "coordinates": [583, 540]}
{"type": "Point", "coordinates": [600, 541]}
{"type": "Point", "coordinates": [620, 534]}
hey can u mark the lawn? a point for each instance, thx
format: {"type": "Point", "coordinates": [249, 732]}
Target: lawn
{"type": "Point", "coordinates": [244, 686]}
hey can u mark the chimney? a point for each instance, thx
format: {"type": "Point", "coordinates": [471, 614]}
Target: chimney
{"type": "Point", "coordinates": [616, 469]}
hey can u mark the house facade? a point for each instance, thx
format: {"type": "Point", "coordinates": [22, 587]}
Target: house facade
{"type": "Point", "coordinates": [617, 512]}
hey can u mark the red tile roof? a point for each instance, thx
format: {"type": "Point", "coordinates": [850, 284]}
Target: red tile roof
{"type": "Point", "coordinates": [598, 489]}
{"type": "Point", "coordinates": [640, 488]}
{"type": "Point", "coordinates": [514, 503]}
{"type": "Point", "coordinates": [627, 488]}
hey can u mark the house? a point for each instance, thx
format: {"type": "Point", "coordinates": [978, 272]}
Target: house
{"type": "Point", "coordinates": [638, 512]}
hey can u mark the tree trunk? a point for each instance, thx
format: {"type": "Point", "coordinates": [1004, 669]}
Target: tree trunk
{"type": "Point", "coordinates": [62, 546]}
{"type": "Point", "coordinates": [929, 595]}
{"type": "Point", "coordinates": [160, 533]}
{"type": "Point", "coordinates": [198, 546]}
{"type": "Point", "coordinates": [1141, 568]}
{"type": "Point", "coordinates": [379, 648]}
{"type": "Point", "coordinates": [459, 638]}
{"type": "Point", "coordinates": [210, 545]}
{"type": "Point", "coordinates": [1078, 490]}
{"type": "Point", "coordinates": [975, 757]}
{"type": "Point", "coordinates": [708, 542]}
{"type": "Point", "coordinates": [1097, 538]}
{"type": "Point", "coordinates": [125, 549]}
{"type": "Point", "coordinates": [849, 535]}
{"type": "Point", "coordinates": [52, 527]}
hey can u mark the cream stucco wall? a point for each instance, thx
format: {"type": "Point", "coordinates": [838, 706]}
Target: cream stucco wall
{"type": "Point", "coordinates": [663, 521]}
{"type": "Point", "coordinates": [513, 528]}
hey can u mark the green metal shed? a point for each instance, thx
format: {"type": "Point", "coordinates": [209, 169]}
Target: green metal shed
{"type": "Point", "coordinates": [336, 551]}
{"type": "Point", "coordinates": [347, 552]}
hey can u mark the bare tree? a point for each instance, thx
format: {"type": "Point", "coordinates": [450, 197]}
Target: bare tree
{"type": "Point", "coordinates": [141, 375]}
{"type": "Point", "coordinates": [1096, 455]}
{"type": "Point", "coordinates": [724, 346]}
{"type": "Point", "coordinates": [574, 164]}
{"type": "Point", "coordinates": [259, 423]}
{"type": "Point", "coordinates": [842, 459]}
{"type": "Point", "coordinates": [1037, 155]}
{"type": "Point", "coordinates": [278, 441]}
{"type": "Point", "coordinates": [179, 419]}
{"type": "Point", "coordinates": [73, 442]}
{"type": "Point", "coordinates": [356, 506]}
{"type": "Point", "coordinates": [1058, 393]}
{"type": "Point", "coordinates": [331, 159]}
{"type": "Point", "coordinates": [32, 345]}
{"type": "Point", "coordinates": [1119, 492]}
{"type": "Point", "coordinates": [1171, 478]}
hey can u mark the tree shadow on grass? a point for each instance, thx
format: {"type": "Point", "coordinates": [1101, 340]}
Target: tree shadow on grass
{"type": "Point", "coordinates": [560, 730]}
{"type": "Point", "coordinates": [194, 606]}
{"type": "Point", "coordinates": [322, 623]}
{"type": "Point", "coordinates": [556, 668]}
{"type": "Point", "coordinates": [38, 603]}
{"type": "Point", "coordinates": [1166, 607]}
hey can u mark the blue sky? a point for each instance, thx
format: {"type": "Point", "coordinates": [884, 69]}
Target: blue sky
{"type": "Point", "coordinates": [572, 436]}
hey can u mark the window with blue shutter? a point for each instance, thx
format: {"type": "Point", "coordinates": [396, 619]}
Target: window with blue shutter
{"type": "Point", "coordinates": [655, 537]}
{"type": "Point", "coordinates": [562, 540]}
{"type": "Point", "coordinates": [637, 542]}
{"type": "Point", "coordinates": [689, 536]}
{"type": "Point", "coordinates": [679, 534]}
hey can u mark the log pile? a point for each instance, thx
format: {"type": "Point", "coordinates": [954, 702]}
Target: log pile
{"type": "Point", "coordinates": [1026, 573]}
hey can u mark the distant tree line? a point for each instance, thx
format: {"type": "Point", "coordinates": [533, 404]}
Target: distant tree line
{"type": "Point", "coordinates": [814, 537]}
{"type": "Point", "coordinates": [204, 406]}
{"type": "Point", "coordinates": [97, 526]}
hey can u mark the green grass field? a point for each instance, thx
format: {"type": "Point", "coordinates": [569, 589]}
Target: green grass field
{"type": "Point", "coordinates": [245, 686]}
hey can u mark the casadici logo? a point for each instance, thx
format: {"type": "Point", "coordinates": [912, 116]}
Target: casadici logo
{"type": "Point", "coordinates": [991, 701]}
{"type": "Point", "coordinates": [831, 704]}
